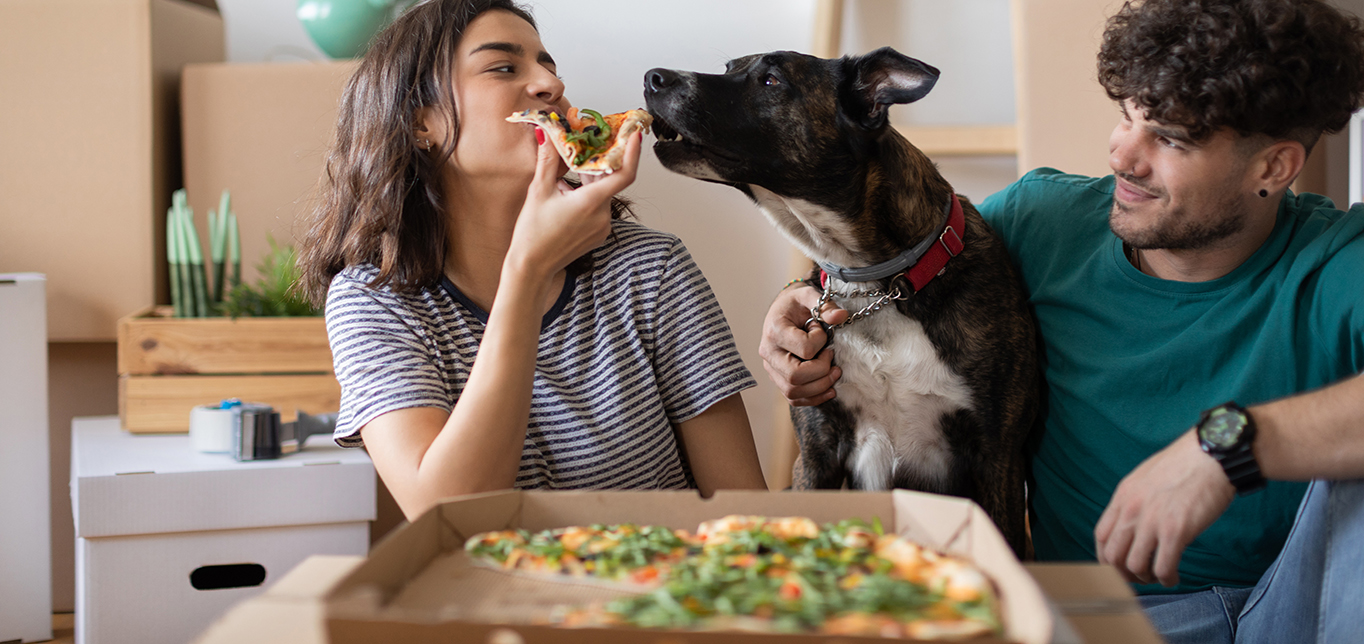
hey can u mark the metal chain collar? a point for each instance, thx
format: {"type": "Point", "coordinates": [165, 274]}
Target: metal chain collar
{"type": "Point", "coordinates": [882, 298]}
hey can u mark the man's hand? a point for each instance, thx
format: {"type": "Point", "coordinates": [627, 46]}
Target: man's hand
{"type": "Point", "coordinates": [1159, 508]}
{"type": "Point", "coordinates": [789, 351]}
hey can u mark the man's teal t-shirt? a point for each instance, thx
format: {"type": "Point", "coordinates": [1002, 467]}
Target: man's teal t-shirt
{"type": "Point", "coordinates": [1130, 360]}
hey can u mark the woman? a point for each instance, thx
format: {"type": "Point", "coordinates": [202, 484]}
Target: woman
{"type": "Point", "coordinates": [491, 326]}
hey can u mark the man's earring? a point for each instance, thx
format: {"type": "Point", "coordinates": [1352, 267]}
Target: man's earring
{"type": "Point", "coordinates": [1264, 193]}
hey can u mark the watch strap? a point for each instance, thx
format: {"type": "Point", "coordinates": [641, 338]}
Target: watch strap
{"type": "Point", "coordinates": [1242, 469]}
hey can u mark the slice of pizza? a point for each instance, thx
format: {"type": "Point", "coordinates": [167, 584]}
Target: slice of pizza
{"type": "Point", "coordinates": [588, 142]}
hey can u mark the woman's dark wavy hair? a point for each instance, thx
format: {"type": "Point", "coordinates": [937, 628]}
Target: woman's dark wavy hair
{"type": "Point", "coordinates": [1287, 69]}
{"type": "Point", "coordinates": [380, 199]}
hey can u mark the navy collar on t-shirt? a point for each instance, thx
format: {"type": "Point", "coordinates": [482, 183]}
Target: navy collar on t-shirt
{"type": "Point", "coordinates": [554, 311]}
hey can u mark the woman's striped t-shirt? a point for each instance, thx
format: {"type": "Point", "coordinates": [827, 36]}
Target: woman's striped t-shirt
{"type": "Point", "coordinates": [633, 347]}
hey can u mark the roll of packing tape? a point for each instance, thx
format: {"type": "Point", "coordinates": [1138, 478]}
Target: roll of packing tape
{"type": "Point", "coordinates": [210, 428]}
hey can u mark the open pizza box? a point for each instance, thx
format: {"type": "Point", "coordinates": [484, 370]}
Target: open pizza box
{"type": "Point", "coordinates": [418, 585]}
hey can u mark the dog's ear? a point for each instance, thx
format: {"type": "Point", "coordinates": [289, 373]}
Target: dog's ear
{"type": "Point", "coordinates": [882, 78]}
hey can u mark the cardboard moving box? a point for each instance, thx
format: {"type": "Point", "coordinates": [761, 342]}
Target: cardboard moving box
{"type": "Point", "coordinates": [416, 585]}
{"type": "Point", "coordinates": [260, 130]}
{"type": "Point", "coordinates": [85, 201]}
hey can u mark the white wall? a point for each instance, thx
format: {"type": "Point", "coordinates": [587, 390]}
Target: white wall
{"type": "Point", "coordinates": [743, 257]}
{"type": "Point", "coordinates": [970, 42]}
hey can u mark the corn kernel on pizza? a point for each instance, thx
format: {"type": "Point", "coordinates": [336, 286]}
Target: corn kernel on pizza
{"type": "Point", "coordinates": [756, 573]}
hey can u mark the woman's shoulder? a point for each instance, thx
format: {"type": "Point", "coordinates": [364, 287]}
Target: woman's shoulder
{"type": "Point", "coordinates": [353, 287]}
{"type": "Point", "coordinates": [355, 275]}
{"type": "Point", "coordinates": [354, 282]}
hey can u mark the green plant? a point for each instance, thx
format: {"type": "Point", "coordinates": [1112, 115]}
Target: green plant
{"type": "Point", "coordinates": [273, 294]}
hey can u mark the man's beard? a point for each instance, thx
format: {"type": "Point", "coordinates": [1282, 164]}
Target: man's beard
{"type": "Point", "coordinates": [1174, 231]}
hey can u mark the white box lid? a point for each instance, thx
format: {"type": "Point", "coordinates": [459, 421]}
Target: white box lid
{"type": "Point", "coordinates": [126, 484]}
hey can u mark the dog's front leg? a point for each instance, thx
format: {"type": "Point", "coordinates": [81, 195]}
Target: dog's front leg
{"type": "Point", "coordinates": [820, 463]}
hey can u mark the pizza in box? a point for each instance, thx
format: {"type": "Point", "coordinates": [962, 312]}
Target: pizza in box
{"type": "Point", "coordinates": [758, 574]}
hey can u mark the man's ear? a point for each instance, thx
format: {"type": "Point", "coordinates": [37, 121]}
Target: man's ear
{"type": "Point", "coordinates": [882, 78]}
{"type": "Point", "coordinates": [1280, 164]}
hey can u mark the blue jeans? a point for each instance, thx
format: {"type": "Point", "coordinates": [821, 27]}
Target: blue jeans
{"type": "Point", "coordinates": [1314, 591]}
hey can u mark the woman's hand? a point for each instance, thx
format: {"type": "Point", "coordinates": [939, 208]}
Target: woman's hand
{"type": "Point", "coordinates": [558, 224]}
{"type": "Point", "coordinates": [791, 354]}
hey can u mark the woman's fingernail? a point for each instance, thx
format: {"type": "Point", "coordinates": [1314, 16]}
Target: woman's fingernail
{"type": "Point", "coordinates": [539, 136]}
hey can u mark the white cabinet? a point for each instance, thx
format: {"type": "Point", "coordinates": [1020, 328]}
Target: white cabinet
{"type": "Point", "coordinates": [25, 528]}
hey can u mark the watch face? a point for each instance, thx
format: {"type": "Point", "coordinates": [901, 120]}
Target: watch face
{"type": "Point", "coordinates": [1223, 428]}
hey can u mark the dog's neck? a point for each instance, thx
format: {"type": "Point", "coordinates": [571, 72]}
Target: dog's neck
{"type": "Point", "coordinates": [895, 201]}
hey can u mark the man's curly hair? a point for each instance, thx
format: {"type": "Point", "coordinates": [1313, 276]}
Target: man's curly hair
{"type": "Point", "coordinates": [1288, 69]}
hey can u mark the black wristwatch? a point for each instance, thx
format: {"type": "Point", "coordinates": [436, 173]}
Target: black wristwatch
{"type": "Point", "coordinates": [1226, 432]}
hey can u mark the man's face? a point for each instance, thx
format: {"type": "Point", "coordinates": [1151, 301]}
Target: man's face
{"type": "Point", "coordinates": [1171, 192]}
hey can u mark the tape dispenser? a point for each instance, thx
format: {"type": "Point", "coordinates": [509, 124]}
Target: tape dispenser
{"type": "Point", "coordinates": [253, 431]}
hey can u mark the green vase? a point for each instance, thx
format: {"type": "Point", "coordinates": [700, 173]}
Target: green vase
{"type": "Point", "coordinates": [343, 28]}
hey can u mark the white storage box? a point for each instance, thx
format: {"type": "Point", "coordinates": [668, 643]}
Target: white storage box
{"type": "Point", "coordinates": [168, 538]}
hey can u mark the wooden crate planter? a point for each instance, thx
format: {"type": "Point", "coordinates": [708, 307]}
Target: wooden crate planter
{"type": "Point", "coordinates": [168, 365]}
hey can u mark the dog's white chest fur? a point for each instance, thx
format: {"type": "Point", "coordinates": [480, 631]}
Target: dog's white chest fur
{"type": "Point", "coordinates": [894, 385]}
{"type": "Point", "coordinates": [897, 389]}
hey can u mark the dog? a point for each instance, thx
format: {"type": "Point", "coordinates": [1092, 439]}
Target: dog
{"type": "Point", "coordinates": [940, 391]}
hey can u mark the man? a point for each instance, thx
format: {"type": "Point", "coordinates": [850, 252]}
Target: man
{"type": "Point", "coordinates": [1190, 278]}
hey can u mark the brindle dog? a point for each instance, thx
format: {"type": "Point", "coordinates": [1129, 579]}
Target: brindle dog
{"type": "Point", "coordinates": [938, 393]}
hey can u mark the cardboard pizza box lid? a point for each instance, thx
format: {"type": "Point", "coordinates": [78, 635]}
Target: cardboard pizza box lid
{"type": "Point", "coordinates": [417, 586]}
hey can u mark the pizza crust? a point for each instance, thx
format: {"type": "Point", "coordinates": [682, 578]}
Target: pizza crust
{"type": "Point", "coordinates": [623, 125]}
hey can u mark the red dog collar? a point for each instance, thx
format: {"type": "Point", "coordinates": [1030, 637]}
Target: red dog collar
{"type": "Point", "coordinates": [934, 260]}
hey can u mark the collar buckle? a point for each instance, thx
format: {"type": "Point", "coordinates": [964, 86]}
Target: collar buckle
{"type": "Point", "coordinates": [945, 246]}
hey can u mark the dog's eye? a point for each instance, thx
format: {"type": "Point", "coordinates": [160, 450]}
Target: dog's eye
{"type": "Point", "coordinates": [771, 80]}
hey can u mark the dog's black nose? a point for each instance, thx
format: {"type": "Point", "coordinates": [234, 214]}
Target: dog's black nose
{"type": "Point", "coordinates": [659, 79]}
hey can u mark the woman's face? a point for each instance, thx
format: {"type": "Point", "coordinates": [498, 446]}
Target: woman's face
{"type": "Point", "coordinates": [501, 67]}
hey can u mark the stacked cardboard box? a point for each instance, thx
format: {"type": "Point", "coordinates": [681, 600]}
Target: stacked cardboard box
{"type": "Point", "coordinates": [260, 131]}
{"type": "Point", "coordinates": [90, 148]}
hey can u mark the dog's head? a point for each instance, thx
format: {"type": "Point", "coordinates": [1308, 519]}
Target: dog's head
{"type": "Point", "coordinates": [808, 140]}
{"type": "Point", "coordinates": [784, 121]}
